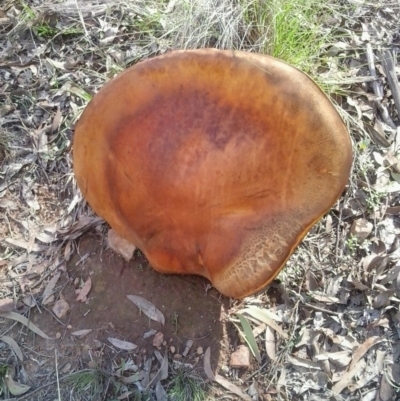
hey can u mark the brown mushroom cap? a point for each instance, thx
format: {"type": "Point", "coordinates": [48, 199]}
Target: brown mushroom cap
{"type": "Point", "coordinates": [214, 163]}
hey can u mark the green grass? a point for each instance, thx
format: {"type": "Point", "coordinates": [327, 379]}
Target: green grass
{"type": "Point", "coordinates": [86, 382]}
{"type": "Point", "coordinates": [3, 372]}
{"type": "Point", "coordinates": [186, 386]}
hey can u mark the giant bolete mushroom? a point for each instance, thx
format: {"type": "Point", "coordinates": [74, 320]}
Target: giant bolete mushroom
{"type": "Point", "coordinates": [215, 163]}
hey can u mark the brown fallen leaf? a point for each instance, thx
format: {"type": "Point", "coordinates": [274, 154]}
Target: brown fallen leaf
{"type": "Point", "coordinates": [363, 349]}
{"type": "Point", "coordinates": [346, 380]}
{"type": "Point", "coordinates": [83, 293]}
{"type": "Point", "coordinates": [147, 308]}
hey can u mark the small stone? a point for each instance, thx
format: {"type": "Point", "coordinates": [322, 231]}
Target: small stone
{"type": "Point", "coordinates": [76, 281]}
{"type": "Point", "coordinates": [66, 368]}
{"type": "Point", "coordinates": [177, 357]}
{"type": "Point", "coordinates": [69, 327]}
{"type": "Point", "coordinates": [158, 340]}
{"type": "Point", "coordinates": [92, 364]}
{"type": "Point", "coordinates": [58, 335]}
{"type": "Point", "coordinates": [361, 229]}
{"type": "Point", "coordinates": [120, 245]}
{"type": "Point", "coordinates": [61, 308]}
{"type": "Point", "coordinates": [199, 350]}
{"type": "Point", "coordinates": [240, 358]}
{"type": "Point", "coordinates": [172, 349]}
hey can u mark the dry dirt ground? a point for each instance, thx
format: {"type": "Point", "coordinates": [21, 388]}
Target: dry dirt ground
{"type": "Point", "coordinates": [328, 328]}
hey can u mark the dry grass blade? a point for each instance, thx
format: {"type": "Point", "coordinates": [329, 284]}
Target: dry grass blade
{"type": "Point", "coordinates": [13, 344]}
{"type": "Point", "coordinates": [26, 322]}
{"type": "Point", "coordinates": [249, 337]}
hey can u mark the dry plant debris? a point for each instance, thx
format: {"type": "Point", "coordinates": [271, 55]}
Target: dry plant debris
{"type": "Point", "coordinates": [329, 327]}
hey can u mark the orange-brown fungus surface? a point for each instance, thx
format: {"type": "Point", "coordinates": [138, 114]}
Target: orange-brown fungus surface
{"type": "Point", "coordinates": [214, 163]}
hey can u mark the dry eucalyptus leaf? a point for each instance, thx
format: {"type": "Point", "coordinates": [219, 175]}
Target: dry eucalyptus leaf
{"type": "Point", "coordinates": [207, 364]}
{"type": "Point", "coordinates": [231, 387]}
{"type": "Point", "coordinates": [347, 341]}
{"type": "Point", "coordinates": [68, 250]}
{"type": "Point", "coordinates": [147, 308]}
{"type": "Point", "coordinates": [125, 345]}
{"type": "Point", "coordinates": [266, 317]}
{"type": "Point", "coordinates": [25, 245]}
{"type": "Point", "coordinates": [161, 394]}
{"type": "Point", "coordinates": [270, 345]}
{"type": "Point", "coordinates": [13, 344]}
{"type": "Point", "coordinates": [304, 363]}
{"type": "Point", "coordinates": [49, 290]}
{"type": "Point", "coordinates": [81, 333]}
{"type": "Point", "coordinates": [83, 293]}
{"type": "Point", "coordinates": [391, 275]}
{"type": "Point", "coordinates": [346, 380]}
{"type": "Point", "coordinates": [385, 390]}
{"type": "Point", "coordinates": [363, 349]}
{"type": "Point", "coordinates": [162, 373]}
{"type": "Point", "coordinates": [14, 387]}
{"type": "Point", "coordinates": [382, 299]}
{"type": "Point", "coordinates": [325, 299]}
{"type": "Point", "coordinates": [26, 322]}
